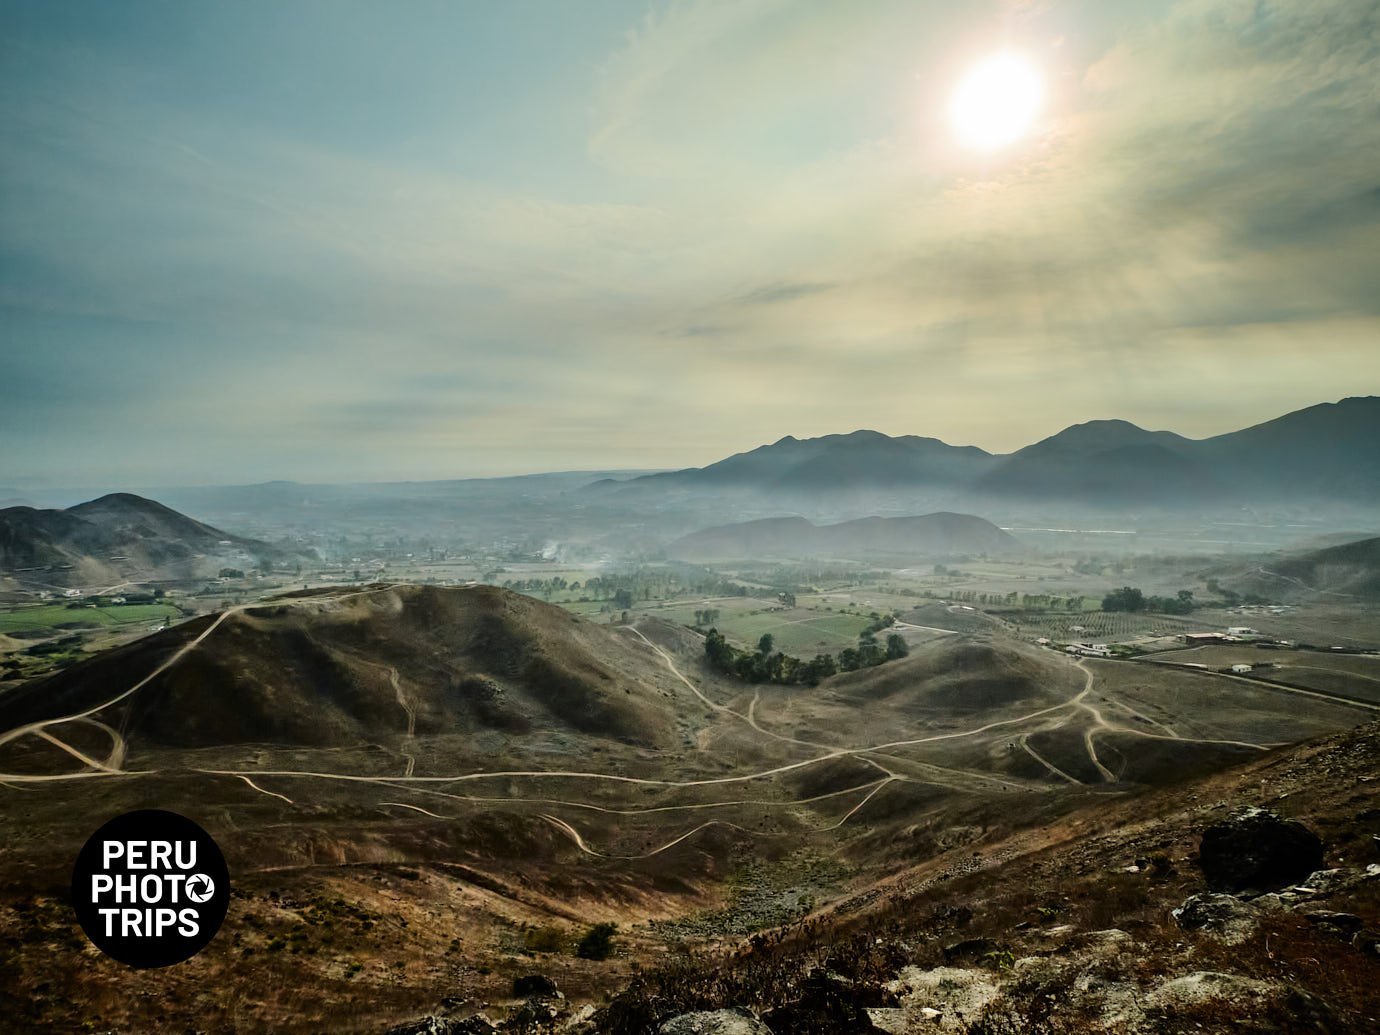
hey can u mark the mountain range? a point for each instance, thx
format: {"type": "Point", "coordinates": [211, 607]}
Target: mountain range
{"type": "Point", "coordinates": [1327, 452]}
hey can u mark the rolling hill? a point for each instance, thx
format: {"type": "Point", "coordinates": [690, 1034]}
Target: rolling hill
{"type": "Point", "coordinates": [119, 535]}
{"type": "Point", "coordinates": [338, 669]}
{"type": "Point", "coordinates": [928, 535]}
{"type": "Point", "coordinates": [1349, 570]}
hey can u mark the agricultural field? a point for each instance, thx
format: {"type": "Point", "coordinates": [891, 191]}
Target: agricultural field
{"type": "Point", "coordinates": [800, 631]}
{"type": "Point", "coordinates": [54, 618]}
{"type": "Point", "coordinates": [1323, 624]}
{"type": "Point", "coordinates": [1348, 675]}
{"type": "Point", "coordinates": [1102, 626]}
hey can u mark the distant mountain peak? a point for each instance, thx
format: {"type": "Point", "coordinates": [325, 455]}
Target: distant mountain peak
{"type": "Point", "coordinates": [120, 534]}
{"type": "Point", "coordinates": [122, 501]}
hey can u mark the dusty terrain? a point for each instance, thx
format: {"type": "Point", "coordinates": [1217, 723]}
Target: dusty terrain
{"type": "Point", "coordinates": [426, 793]}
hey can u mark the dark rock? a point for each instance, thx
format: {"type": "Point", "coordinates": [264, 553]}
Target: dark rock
{"type": "Point", "coordinates": [533, 985]}
{"type": "Point", "coordinates": [533, 1013]}
{"type": "Point", "coordinates": [715, 1022]}
{"type": "Point", "coordinates": [1367, 941]}
{"type": "Point", "coordinates": [1254, 850]}
{"type": "Point", "coordinates": [828, 1003]}
{"type": "Point", "coordinates": [969, 949]}
{"type": "Point", "coordinates": [1344, 924]}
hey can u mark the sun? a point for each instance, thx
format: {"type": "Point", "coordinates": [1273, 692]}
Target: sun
{"type": "Point", "coordinates": [997, 101]}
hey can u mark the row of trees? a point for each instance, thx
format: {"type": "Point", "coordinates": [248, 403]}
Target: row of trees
{"type": "Point", "coordinates": [1025, 601]}
{"type": "Point", "coordinates": [1129, 598]}
{"type": "Point", "coordinates": [767, 665]}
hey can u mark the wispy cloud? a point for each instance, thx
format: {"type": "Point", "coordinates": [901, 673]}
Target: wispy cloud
{"type": "Point", "coordinates": [766, 229]}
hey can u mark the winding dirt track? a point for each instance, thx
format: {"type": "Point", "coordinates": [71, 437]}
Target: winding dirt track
{"type": "Point", "coordinates": [430, 785]}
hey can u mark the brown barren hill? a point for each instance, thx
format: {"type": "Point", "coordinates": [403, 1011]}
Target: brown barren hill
{"type": "Point", "coordinates": [334, 669]}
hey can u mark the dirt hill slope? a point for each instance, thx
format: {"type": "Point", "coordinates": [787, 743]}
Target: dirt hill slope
{"type": "Point", "coordinates": [337, 669]}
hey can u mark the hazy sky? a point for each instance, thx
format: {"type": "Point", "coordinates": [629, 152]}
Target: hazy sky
{"type": "Point", "coordinates": [342, 241]}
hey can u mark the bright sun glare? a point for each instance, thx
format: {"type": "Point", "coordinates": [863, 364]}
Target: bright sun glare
{"type": "Point", "coordinates": [997, 101]}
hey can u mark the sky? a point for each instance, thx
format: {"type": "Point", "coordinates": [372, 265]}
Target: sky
{"type": "Point", "coordinates": [338, 241]}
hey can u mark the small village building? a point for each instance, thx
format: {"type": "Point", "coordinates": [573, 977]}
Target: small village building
{"type": "Point", "coordinates": [1198, 639]}
{"type": "Point", "coordinates": [1241, 669]}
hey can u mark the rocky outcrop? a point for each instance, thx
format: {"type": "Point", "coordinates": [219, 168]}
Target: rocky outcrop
{"type": "Point", "coordinates": [715, 1022]}
{"type": "Point", "coordinates": [1224, 916]}
{"type": "Point", "coordinates": [1254, 850]}
{"type": "Point", "coordinates": [477, 1025]}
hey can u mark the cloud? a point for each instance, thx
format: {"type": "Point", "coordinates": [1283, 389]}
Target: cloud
{"type": "Point", "coordinates": [770, 293]}
{"type": "Point", "coordinates": [767, 230]}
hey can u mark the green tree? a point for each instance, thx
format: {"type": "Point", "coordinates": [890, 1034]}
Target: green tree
{"type": "Point", "coordinates": [896, 647]}
{"type": "Point", "coordinates": [764, 645]}
{"type": "Point", "coordinates": [1128, 598]}
{"type": "Point", "coordinates": [821, 667]}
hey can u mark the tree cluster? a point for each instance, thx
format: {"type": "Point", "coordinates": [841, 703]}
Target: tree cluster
{"type": "Point", "coordinates": [1129, 598]}
{"type": "Point", "coordinates": [767, 665]}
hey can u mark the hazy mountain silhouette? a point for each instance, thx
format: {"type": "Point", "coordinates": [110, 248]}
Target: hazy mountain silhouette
{"type": "Point", "coordinates": [860, 460]}
{"type": "Point", "coordinates": [119, 533]}
{"type": "Point", "coordinates": [1328, 451]}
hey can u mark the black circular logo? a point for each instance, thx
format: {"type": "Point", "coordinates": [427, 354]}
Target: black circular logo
{"type": "Point", "coordinates": [150, 888]}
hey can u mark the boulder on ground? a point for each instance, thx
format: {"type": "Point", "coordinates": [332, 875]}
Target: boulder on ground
{"type": "Point", "coordinates": [477, 1025]}
{"type": "Point", "coordinates": [533, 985]}
{"type": "Point", "coordinates": [715, 1022]}
{"type": "Point", "coordinates": [969, 949]}
{"type": "Point", "coordinates": [828, 1002]}
{"type": "Point", "coordinates": [1224, 916]}
{"type": "Point", "coordinates": [1254, 850]}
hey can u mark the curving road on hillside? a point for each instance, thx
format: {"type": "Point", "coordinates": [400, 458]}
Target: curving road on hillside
{"type": "Point", "coordinates": [437, 786]}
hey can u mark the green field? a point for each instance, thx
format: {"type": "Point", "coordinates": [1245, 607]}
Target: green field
{"type": "Point", "coordinates": [54, 616]}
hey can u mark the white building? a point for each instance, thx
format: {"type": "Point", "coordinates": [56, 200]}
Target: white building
{"type": "Point", "coordinates": [1242, 630]}
{"type": "Point", "coordinates": [1241, 669]}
